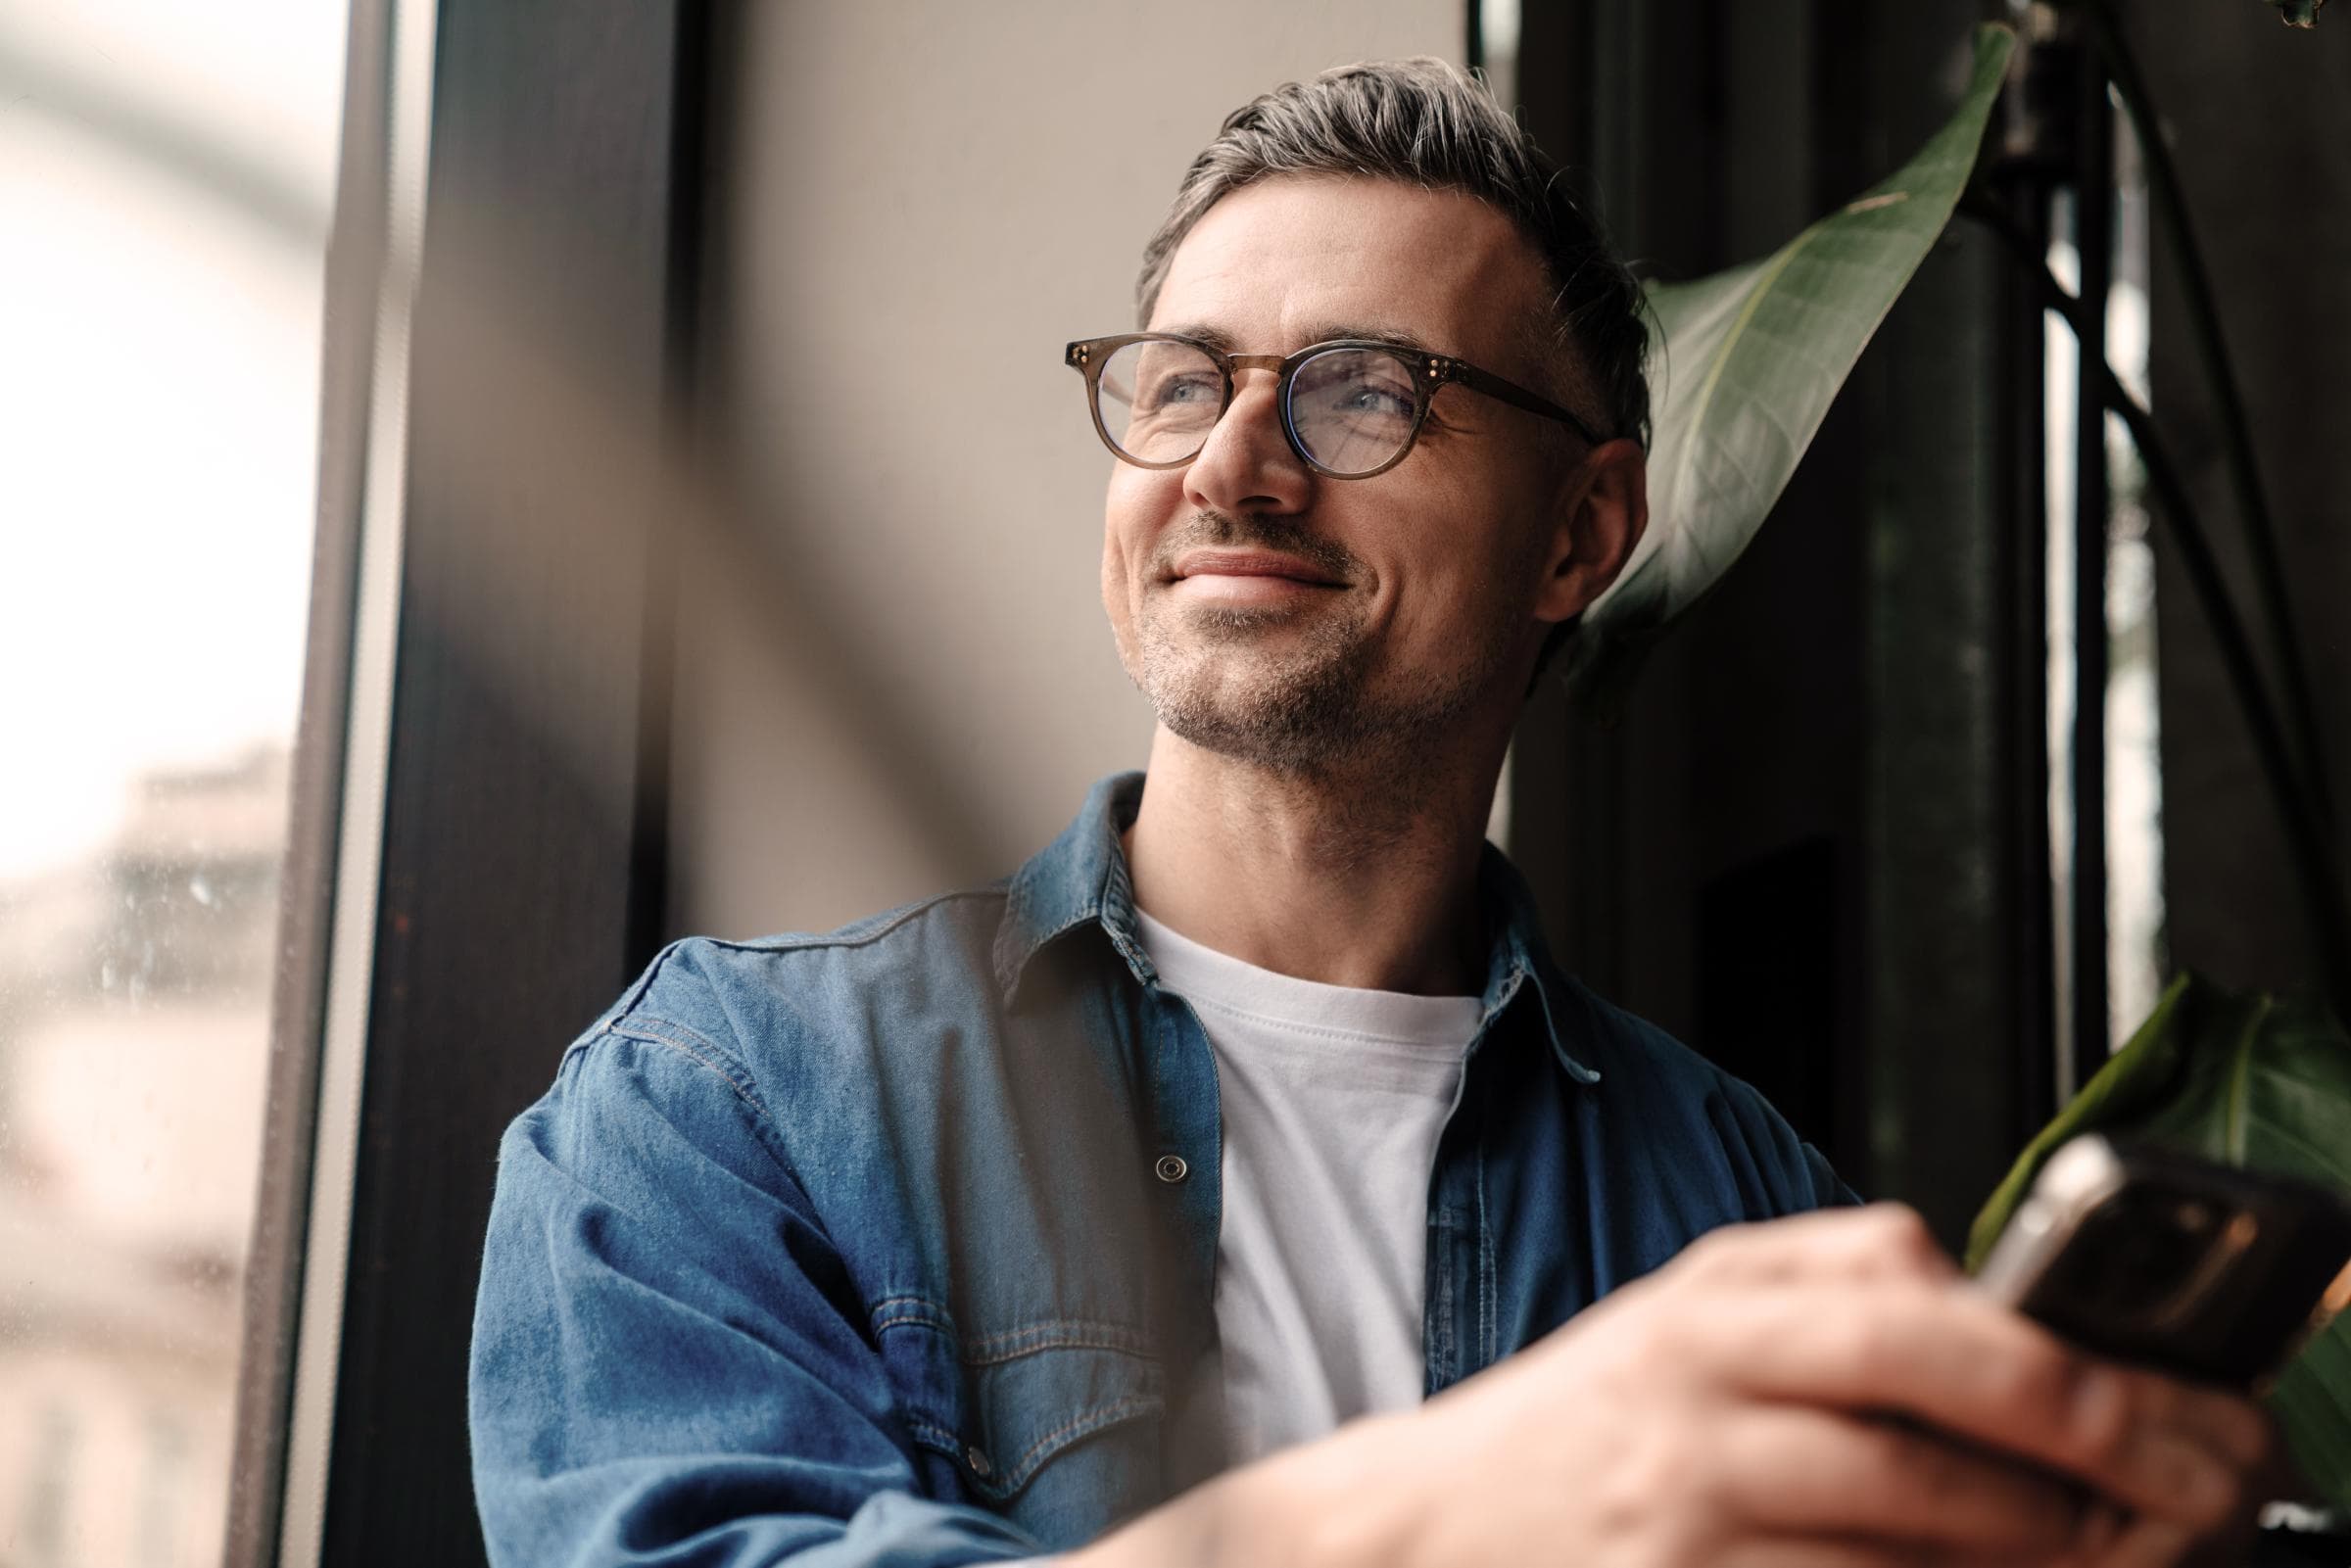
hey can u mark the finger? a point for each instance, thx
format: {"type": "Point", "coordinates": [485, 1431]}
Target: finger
{"type": "Point", "coordinates": [2146, 1543]}
{"type": "Point", "coordinates": [1879, 1241]}
{"type": "Point", "coordinates": [1961, 1362]}
{"type": "Point", "coordinates": [2233, 1426]}
{"type": "Point", "coordinates": [2102, 1525]}
{"type": "Point", "coordinates": [2212, 1442]}
{"type": "Point", "coordinates": [1791, 1468]}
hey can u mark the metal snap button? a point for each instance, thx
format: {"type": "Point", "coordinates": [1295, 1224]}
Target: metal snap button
{"type": "Point", "coordinates": [1172, 1169]}
{"type": "Point", "coordinates": [978, 1462]}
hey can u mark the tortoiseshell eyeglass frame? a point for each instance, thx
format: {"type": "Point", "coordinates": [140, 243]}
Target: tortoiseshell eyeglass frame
{"type": "Point", "coordinates": [1429, 371]}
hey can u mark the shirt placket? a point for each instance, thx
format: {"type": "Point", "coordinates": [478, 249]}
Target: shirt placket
{"type": "Point", "coordinates": [1188, 1171]}
{"type": "Point", "coordinates": [1458, 1308]}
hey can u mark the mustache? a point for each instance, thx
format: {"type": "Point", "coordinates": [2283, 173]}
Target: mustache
{"type": "Point", "coordinates": [1270, 531]}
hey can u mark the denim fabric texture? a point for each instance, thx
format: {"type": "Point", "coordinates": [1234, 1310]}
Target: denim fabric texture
{"type": "Point", "coordinates": [895, 1245]}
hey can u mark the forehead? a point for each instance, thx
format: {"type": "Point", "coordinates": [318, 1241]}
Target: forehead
{"type": "Point", "coordinates": [1289, 261]}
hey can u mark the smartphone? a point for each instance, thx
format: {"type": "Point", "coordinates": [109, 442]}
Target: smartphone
{"type": "Point", "coordinates": [2150, 1255]}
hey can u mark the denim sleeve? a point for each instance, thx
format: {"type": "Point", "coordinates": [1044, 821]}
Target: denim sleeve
{"type": "Point", "coordinates": [1778, 1171]}
{"type": "Point", "coordinates": [1829, 1190]}
{"type": "Point", "coordinates": [668, 1365]}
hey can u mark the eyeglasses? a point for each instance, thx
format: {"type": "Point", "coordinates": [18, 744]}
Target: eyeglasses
{"type": "Point", "coordinates": [1351, 409]}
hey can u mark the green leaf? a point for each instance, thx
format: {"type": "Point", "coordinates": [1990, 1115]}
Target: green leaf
{"type": "Point", "coordinates": [1748, 363]}
{"type": "Point", "coordinates": [2249, 1080]}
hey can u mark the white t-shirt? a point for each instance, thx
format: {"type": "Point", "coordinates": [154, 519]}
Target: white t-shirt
{"type": "Point", "coordinates": [1333, 1099]}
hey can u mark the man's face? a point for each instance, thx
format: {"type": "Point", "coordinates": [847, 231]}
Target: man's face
{"type": "Point", "coordinates": [1415, 608]}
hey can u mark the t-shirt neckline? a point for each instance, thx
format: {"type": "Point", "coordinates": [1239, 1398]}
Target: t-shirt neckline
{"type": "Point", "coordinates": [1202, 974]}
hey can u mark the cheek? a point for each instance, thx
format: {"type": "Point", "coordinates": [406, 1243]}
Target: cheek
{"type": "Point", "coordinates": [1135, 511]}
{"type": "Point", "coordinates": [1128, 512]}
{"type": "Point", "coordinates": [1503, 557]}
{"type": "Point", "coordinates": [1478, 565]}
{"type": "Point", "coordinates": [1443, 611]}
{"type": "Point", "coordinates": [1115, 602]}
{"type": "Point", "coordinates": [1475, 540]}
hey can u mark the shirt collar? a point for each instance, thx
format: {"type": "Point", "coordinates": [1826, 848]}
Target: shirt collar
{"type": "Point", "coordinates": [1080, 878]}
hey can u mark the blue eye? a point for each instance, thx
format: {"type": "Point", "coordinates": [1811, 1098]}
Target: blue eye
{"type": "Point", "coordinates": [1367, 398]}
{"type": "Point", "coordinates": [1187, 389]}
{"type": "Point", "coordinates": [1352, 385]}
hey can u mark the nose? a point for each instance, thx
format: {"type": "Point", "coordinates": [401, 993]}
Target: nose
{"type": "Point", "coordinates": [1247, 464]}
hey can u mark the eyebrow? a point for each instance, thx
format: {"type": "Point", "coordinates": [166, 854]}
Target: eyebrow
{"type": "Point", "coordinates": [1325, 332]}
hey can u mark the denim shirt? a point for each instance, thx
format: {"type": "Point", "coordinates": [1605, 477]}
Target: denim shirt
{"type": "Point", "coordinates": [897, 1245]}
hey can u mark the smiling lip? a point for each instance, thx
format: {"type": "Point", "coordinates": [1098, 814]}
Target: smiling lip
{"type": "Point", "coordinates": [1251, 563]}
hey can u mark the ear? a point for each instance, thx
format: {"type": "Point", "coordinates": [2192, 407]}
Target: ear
{"type": "Point", "coordinates": [1602, 507]}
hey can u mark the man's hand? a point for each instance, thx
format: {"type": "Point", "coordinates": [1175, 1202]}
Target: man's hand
{"type": "Point", "coordinates": [1820, 1391]}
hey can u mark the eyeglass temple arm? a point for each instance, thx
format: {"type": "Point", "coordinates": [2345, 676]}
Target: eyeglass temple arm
{"type": "Point", "coordinates": [1517, 396]}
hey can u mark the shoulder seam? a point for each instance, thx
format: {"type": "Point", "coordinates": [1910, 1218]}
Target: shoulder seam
{"type": "Point", "coordinates": [699, 1048]}
{"type": "Point", "coordinates": [714, 1060]}
{"type": "Point", "coordinates": [796, 941]}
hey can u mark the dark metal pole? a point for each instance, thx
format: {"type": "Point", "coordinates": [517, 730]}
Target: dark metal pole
{"type": "Point", "coordinates": [2093, 238]}
{"type": "Point", "coordinates": [2034, 162]}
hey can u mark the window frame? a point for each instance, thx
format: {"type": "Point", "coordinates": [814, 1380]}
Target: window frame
{"type": "Point", "coordinates": [464, 891]}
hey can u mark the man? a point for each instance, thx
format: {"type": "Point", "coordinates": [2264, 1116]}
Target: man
{"type": "Point", "coordinates": [1136, 1207]}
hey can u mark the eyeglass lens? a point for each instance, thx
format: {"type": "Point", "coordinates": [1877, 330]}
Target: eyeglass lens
{"type": "Point", "coordinates": [1352, 410]}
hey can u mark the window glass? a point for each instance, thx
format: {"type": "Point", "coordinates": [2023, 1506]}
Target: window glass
{"type": "Point", "coordinates": [166, 179]}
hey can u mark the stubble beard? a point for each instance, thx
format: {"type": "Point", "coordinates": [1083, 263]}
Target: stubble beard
{"type": "Point", "coordinates": [1296, 690]}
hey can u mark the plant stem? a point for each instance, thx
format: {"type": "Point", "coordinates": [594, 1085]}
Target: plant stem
{"type": "Point", "coordinates": [2236, 427]}
{"type": "Point", "coordinates": [2309, 842]}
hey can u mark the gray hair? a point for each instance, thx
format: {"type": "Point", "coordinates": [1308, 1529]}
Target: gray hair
{"type": "Point", "coordinates": [1426, 123]}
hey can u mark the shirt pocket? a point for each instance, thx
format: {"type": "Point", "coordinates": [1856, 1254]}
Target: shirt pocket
{"type": "Point", "coordinates": [1059, 1427]}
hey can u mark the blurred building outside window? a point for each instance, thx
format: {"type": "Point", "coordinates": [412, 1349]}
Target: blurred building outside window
{"type": "Point", "coordinates": [165, 181]}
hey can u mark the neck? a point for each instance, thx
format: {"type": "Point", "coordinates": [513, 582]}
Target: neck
{"type": "Point", "coordinates": [1367, 882]}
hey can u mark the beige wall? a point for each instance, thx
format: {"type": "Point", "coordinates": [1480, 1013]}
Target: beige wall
{"type": "Point", "coordinates": [894, 674]}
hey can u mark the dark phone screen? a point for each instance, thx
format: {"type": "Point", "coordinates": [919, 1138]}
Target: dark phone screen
{"type": "Point", "coordinates": [2184, 1276]}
